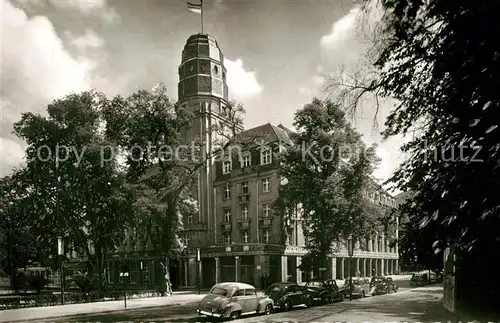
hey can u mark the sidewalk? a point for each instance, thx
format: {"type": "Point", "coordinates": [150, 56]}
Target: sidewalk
{"type": "Point", "coordinates": [32, 313]}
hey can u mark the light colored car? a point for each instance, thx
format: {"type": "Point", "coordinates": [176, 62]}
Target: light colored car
{"type": "Point", "coordinates": [232, 300]}
{"type": "Point", "coordinates": [360, 287]}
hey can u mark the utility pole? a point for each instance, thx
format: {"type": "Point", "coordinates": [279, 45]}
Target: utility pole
{"type": "Point", "coordinates": [350, 250]}
{"type": "Point", "coordinates": [198, 263]}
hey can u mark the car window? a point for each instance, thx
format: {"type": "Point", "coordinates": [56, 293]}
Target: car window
{"type": "Point", "coordinates": [219, 291]}
{"type": "Point", "coordinates": [292, 289]}
{"type": "Point", "coordinates": [239, 292]}
{"type": "Point", "coordinates": [250, 292]}
{"type": "Point", "coordinates": [315, 284]}
{"type": "Point", "coordinates": [273, 290]}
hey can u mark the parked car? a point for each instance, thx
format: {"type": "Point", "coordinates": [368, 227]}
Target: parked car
{"type": "Point", "coordinates": [288, 295]}
{"type": "Point", "coordinates": [231, 300]}
{"type": "Point", "coordinates": [324, 291]}
{"type": "Point", "coordinates": [382, 285]}
{"type": "Point", "coordinates": [360, 287]}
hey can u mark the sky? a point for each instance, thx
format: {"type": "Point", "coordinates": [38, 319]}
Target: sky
{"type": "Point", "coordinates": [277, 54]}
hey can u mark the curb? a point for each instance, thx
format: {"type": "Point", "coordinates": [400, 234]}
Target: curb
{"type": "Point", "coordinates": [72, 316]}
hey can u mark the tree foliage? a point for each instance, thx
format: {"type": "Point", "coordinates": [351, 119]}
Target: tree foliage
{"type": "Point", "coordinates": [326, 170]}
{"type": "Point", "coordinates": [102, 172]}
{"type": "Point", "coordinates": [439, 60]}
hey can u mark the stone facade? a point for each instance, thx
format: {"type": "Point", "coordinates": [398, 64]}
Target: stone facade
{"type": "Point", "coordinates": [239, 237]}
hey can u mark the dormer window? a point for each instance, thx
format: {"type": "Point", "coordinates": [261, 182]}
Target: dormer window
{"type": "Point", "coordinates": [245, 161]}
{"type": "Point", "coordinates": [265, 156]}
{"type": "Point", "coordinates": [227, 191]}
{"type": "Point", "coordinates": [226, 166]}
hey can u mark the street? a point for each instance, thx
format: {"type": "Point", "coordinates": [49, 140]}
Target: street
{"type": "Point", "coordinates": [420, 304]}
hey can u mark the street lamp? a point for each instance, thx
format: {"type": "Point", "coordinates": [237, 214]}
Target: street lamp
{"type": "Point", "coordinates": [60, 253]}
{"type": "Point", "coordinates": [350, 251]}
{"type": "Point", "coordinates": [198, 263]}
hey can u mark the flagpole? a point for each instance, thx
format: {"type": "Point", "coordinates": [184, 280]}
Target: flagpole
{"type": "Point", "coordinates": [201, 2]}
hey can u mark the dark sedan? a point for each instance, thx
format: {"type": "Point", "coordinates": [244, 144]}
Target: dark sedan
{"type": "Point", "coordinates": [324, 291]}
{"type": "Point", "coordinates": [288, 295]}
{"type": "Point", "coordinates": [382, 285]}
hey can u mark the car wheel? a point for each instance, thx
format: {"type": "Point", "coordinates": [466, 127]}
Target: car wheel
{"type": "Point", "coordinates": [269, 309]}
{"type": "Point", "coordinates": [234, 315]}
{"type": "Point", "coordinates": [329, 300]}
{"type": "Point", "coordinates": [309, 302]}
{"type": "Point", "coordinates": [286, 306]}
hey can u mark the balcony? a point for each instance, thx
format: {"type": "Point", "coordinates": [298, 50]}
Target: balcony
{"type": "Point", "coordinates": [244, 224]}
{"type": "Point", "coordinates": [265, 222]}
{"type": "Point", "coordinates": [226, 226]}
{"type": "Point", "coordinates": [244, 198]}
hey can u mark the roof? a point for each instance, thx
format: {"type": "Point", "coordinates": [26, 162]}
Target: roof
{"type": "Point", "coordinates": [228, 285]}
{"type": "Point", "coordinates": [267, 131]}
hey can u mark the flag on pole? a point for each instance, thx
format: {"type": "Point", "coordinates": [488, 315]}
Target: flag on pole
{"type": "Point", "coordinates": [195, 7]}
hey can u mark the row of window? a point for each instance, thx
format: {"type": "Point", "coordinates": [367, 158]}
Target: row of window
{"type": "Point", "coordinates": [266, 212]}
{"type": "Point", "coordinates": [245, 237]}
{"type": "Point", "coordinates": [381, 198]}
{"type": "Point", "coordinates": [266, 158]}
{"type": "Point", "coordinates": [266, 188]}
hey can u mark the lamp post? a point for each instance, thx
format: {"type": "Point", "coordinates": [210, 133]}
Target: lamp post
{"type": "Point", "coordinates": [350, 251]}
{"type": "Point", "coordinates": [60, 253]}
{"type": "Point", "coordinates": [198, 260]}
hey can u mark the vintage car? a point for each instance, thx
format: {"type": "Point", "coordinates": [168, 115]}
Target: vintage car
{"type": "Point", "coordinates": [382, 285]}
{"type": "Point", "coordinates": [288, 295]}
{"type": "Point", "coordinates": [360, 287]}
{"type": "Point", "coordinates": [324, 291]}
{"type": "Point", "coordinates": [231, 300]}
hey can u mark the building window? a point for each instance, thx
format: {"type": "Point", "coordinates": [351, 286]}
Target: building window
{"type": "Point", "coordinates": [266, 185]}
{"type": "Point", "coordinates": [227, 215]}
{"type": "Point", "coordinates": [266, 210]}
{"type": "Point", "coordinates": [227, 192]}
{"type": "Point", "coordinates": [265, 156]}
{"type": "Point", "coordinates": [245, 237]}
{"type": "Point", "coordinates": [227, 238]}
{"type": "Point", "coordinates": [244, 188]}
{"type": "Point", "coordinates": [226, 167]}
{"type": "Point", "coordinates": [244, 212]}
{"type": "Point", "coordinates": [245, 161]}
{"type": "Point", "coordinates": [267, 236]}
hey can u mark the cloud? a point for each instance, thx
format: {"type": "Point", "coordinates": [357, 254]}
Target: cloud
{"type": "Point", "coordinates": [346, 53]}
{"type": "Point", "coordinates": [99, 8]}
{"type": "Point", "coordinates": [242, 83]}
{"type": "Point", "coordinates": [36, 69]}
{"type": "Point", "coordinates": [89, 7]}
{"type": "Point", "coordinates": [11, 155]}
{"type": "Point", "coordinates": [89, 40]}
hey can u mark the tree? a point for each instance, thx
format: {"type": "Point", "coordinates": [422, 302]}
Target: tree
{"type": "Point", "coordinates": [76, 188]}
{"type": "Point", "coordinates": [161, 166]}
{"type": "Point", "coordinates": [18, 240]}
{"type": "Point", "coordinates": [439, 60]}
{"type": "Point", "coordinates": [326, 170]}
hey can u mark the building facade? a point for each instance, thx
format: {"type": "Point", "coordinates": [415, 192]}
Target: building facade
{"type": "Point", "coordinates": [238, 236]}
